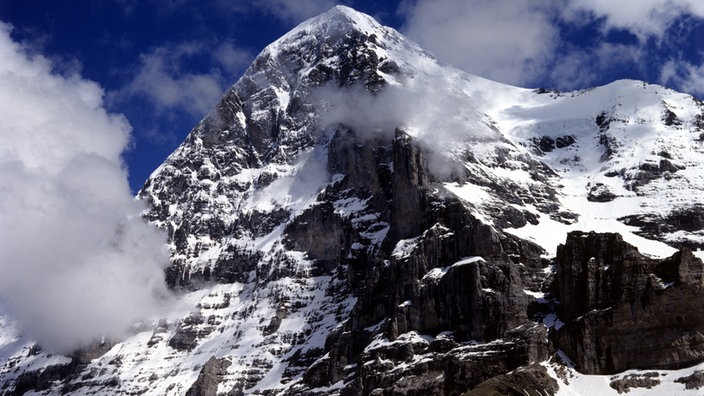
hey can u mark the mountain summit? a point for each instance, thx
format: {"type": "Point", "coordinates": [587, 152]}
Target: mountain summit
{"type": "Point", "coordinates": [355, 218]}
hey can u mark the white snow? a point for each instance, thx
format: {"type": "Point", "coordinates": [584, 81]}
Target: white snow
{"type": "Point", "coordinates": [349, 206]}
{"type": "Point", "coordinates": [436, 274]}
{"type": "Point", "coordinates": [469, 192]}
{"type": "Point", "coordinates": [699, 254]}
{"type": "Point", "coordinates": [404, 248]}
{"type": "Point", "coordinates": [577, 384]}
{"type": "Point", "coordinates": [536, 295]}
{"type": "Point", "coordinates": [637, 110]}
{"type": "Point", "coordinates": [409, 337]}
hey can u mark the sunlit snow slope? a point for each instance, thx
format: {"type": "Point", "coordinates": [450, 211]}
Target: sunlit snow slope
{"type": "Point", "coordinates": [629, 160]}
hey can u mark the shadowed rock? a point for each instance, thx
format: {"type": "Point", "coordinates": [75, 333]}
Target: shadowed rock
{"type": "Point", "coordinates": [623, 310]}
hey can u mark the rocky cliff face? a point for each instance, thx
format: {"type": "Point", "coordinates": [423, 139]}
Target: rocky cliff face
{"type": "Point", "coordinates": [421, 300]}
{"type": "Point", "coordinates": [354, 218]}
{"type": "Point", "coordinates": [623, 310]}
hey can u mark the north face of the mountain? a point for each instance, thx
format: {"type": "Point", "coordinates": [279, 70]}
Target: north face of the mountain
{"type": "Point", "coordinates": [263, 154]}
{"type": "Point", "coordinates": [401, 219]}
{"type": "Point", "coordinates": [355, 218]}
{"type": "Point", "coordinates": [345, 238]}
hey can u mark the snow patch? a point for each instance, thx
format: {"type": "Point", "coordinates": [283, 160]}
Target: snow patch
{"type": "Point", "coordinates": [436, 274]}
{"type": "Point", "coordinates": [404, 248]}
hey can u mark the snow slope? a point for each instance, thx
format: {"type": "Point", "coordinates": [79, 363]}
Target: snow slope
{"type": "Point", "coordinates": [635, 136]}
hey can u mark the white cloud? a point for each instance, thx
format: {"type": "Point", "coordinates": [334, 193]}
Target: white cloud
{"type": "Point", "coordinates": [232, 58]}
{"type": "Point", "coordinates": [295, 10]}
{"type": "Point", "coordinates": [77, 262]}
{"type": "Point", "coordinates": [670, 72]}
{"type": "Point", "coordinates": [424, 108]}
{"type": "Point", "coordinates": [693, 79]}
{"type": "Point", "coordinates": [585, 67]}
{"type": "Point", "coordinates": [643, 18]}
{"type": "Point", "coordinates": [661, 20]}
{"type": "Point", "coordinates": [522, 43]}
{"type": "Point", "coordinates": [504, 40]}
{"type": "Point", "coordinates": [683, 76]}
{"type": "Point", "coordinates": [163, 82]}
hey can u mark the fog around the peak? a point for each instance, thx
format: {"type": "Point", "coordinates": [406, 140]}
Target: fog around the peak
{"type": "Point", "coordinates": [427, 107]}
{"type": "Point", "coordinates": [430, 108]}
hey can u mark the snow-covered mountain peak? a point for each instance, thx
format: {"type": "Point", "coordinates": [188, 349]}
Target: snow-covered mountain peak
{"type": "Point", "coordinates": [343, 41]}
{"type": "Point", "coordinates": [354, 216]}
{"type": "Point", "coordinates": [333, 26]}
{"type": "Point", "coordinates": [551, 155]}
{"type": "Point", "coordinates": [338, 19]}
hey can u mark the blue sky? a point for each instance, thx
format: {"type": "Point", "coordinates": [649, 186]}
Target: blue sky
{"type": "Point", "coordinates": [164, 64]}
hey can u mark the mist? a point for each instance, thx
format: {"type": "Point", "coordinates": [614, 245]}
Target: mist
{"type": "Point", "coordinates": [77, 263]}
{"type": "Point", "coordinates": [431, 108]}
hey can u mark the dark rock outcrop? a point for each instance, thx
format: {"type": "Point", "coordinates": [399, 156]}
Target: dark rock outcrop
{"type": "Point", "coordinates": [67, 376]}
{"type": "Point", "coordinates": [441, 288]}
{"type": "Point", "coordinates": [546, 144]}
{"type": "Point", "coordinates": [532, 380]}
{"type": "Point", "coordinates": [648, 171]}
{"type": "Point", "coordinates": [669, 118]}
{"type": "Point", "coordinates": [319, 232]}
{"type": "Point", "coordinates": [409, 203]}
{"type": "Point", "coordinates": [623, 310]}
{"type": "Point", "coordinates": [693, 381]}
{"type": "Point", "coordinates": [209, 377]}
{"type": "Point", "coordinates": [600, 193]}
{"type": "Point", "coordinates": [645, 380]}
{"type": "Point", "coordinates": [656, 226]}
{"type": "Point", "coordinates": [414, 366]}
{"type": "Point", "coordinates": [188, 331]}
{"type": "Point", "coordinates": [39, 380]}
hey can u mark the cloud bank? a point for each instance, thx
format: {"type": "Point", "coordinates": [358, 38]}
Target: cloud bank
{"type": "Point", "coordinates": [425, 108]}
{"type": "Point", "coordinates": [77, 262]}
{"type": "Point", "coordinates": [644, 18]}
{"type": "Point", "coordinates": [505, 40]}
{"type": "Point", "coordinates": [295, 11]}
{"type": "Point", "coordinates": [564, 44]}
{"type": "Point", "coordinates": [163, 79]}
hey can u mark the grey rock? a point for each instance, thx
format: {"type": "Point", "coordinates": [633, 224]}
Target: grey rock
{"type": "Point", "coordinates": [623, 310]}
{"type": "Point", "coordinates": [600, 193]}
{"type": "Point", "coordinates": [693, 381]}
{"type": "Point", "coordinates": [688, 218]}
{"type": "Point", "coordinates": [209, 377]}
{"type": "Point", "coordinates": [531, 380]}
{"type": "Point", "coordinates": [319, 232]}
{"type": "Point", "coordinates": [670, 118]}
{"type": "Point", "coordinates": [188, 331]}
{"type": "Point", "coordinates": [645, 380]}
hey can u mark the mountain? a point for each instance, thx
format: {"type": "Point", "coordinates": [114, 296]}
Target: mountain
{"type": "Point", "coordinates": [354, 217]}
